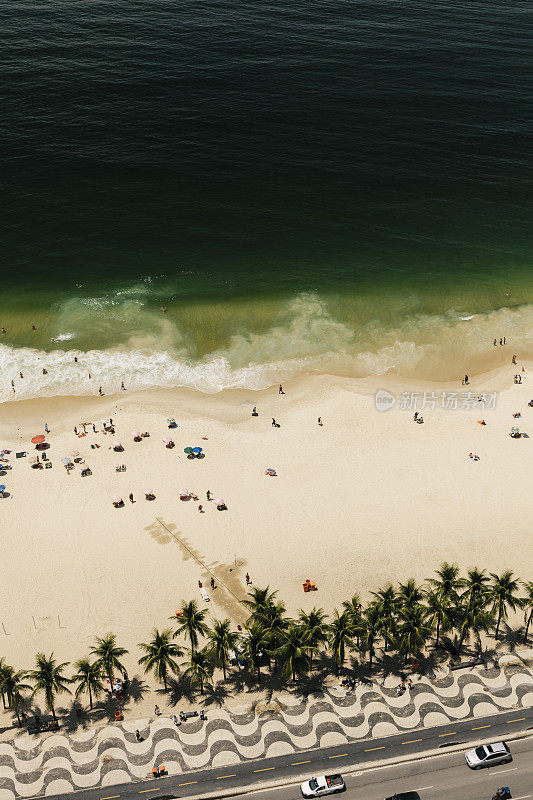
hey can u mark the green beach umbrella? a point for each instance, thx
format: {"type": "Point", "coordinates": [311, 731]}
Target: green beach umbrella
{"type": "Point", "coordinates": [188, 450]}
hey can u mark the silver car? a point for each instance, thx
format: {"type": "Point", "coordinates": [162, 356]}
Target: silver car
{"type": "Point", "coordinates": [488, 754]}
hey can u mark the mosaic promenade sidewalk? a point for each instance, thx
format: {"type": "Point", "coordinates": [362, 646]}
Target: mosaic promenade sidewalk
{"type": "Point", "coordinates": [57, 763]}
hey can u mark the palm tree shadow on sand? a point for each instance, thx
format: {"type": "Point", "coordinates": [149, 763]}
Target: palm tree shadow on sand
{"type": "Point", "coordinates": [181, 688]}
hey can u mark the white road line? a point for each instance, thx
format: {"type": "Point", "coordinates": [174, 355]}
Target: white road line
{"type": "Point", "coordinates": [422, 788]}
{"type": "Point", "coordinates": [500, 771]}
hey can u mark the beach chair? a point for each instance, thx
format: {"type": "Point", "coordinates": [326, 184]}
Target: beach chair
{"type": "Point", "coordinates": [119, 716]}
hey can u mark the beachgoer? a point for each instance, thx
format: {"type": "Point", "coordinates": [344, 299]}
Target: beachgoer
{"type": "Point", "coordinates": [248, 581]}
{"type": "Point", "coordinates": [208, 494]}
{"type": "Point", "coordinates": [504, 340]}
{"type": "Point", "coordinates": [501, 342]}
{"type": "Point", "coordinates": [254, 412]}
{"type": "Point", "coordinates": [94, 428]}
{"type": "Point", "coordinates": [75, 431]}
{"type": "Point", "coordinates": [163, 309]}
{"type": "Point", "coordinates": [3, 330]}
{"type": "Point", "coordinates": [100, 392]}
{"type": "Point", "coordinates": [75, 359]}
{"type": "Point", "coordinates": [320, 420]}
{"type": "Point", "coordinates": [416, 416]}
{"type": "Point", "coordinates": [13, 384]}
{"type": "Point", "coordinates": [46, 429]}
{"type": "Point", "coordinates": [157, 712]}
{"type": "Point", "coordinates": [122, 386]}
{"type": "Point", "coordinates": [45, 371]}
{"type": "Point", "coordinates": [131, 497]}
{"type": "Point", "coordinates": [110, 421]}
{"type": "Point", "coordinates": [513, 359]}
{"type": "Point", "coordinates": [280, 390]}
{"type": "Point", "coordinates": [200, 585]}
{"type": "Point", "coordinates": [274, 423]}
{"type": "Point", "coordinates": [21, 375]}
{"type": "Point", "coordinates": [495, 342]}
{"type": "Point", "coordinates": [212, 582]}
{"type": "Point", "coordinates": [466, 380]}
{"type": "Point", "coordinates": [201, 508]}
{"type": "Point", "coordinates": [138, 736]}
{"type": "Point", "coordinates": [33, 328]}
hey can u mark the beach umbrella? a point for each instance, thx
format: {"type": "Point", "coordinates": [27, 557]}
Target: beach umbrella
{"type": "Point", "coordinates": [117, 444]}
{"type": "Point", "coordinates": [136, 434]}
{"type": "Point", "coordinates": [2, 489]}
{"type": "Point", "coordinates": [66, 460]}
{"type": "Point", "coordinates": [219, 502]}
{"type": "Point", "coordinates": [74, 454]}
{"type": "Point", "coordinates": [183, 492]}
{"type": "Point", "coordinates": [197, 449]}
{"type": "Point", "coordinates": [117, 500]}
{"type": "Point", "coordinates": [38, 439]}
{"type": "Point", "coordinates": [188, 450]}
{"type": "Point", "coordinates": [514, 430]}
{"type": "Point", "coordinates": [167, 439]}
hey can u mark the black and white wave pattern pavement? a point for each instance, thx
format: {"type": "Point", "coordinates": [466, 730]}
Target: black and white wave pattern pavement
{"type": "Point", "coordinates": [57, 763]}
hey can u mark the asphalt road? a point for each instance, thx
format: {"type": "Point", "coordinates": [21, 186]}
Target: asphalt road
{"type": "Point", "coordinates": [437, 778]}
{"type": "Point", "coordinates": [334, 759]}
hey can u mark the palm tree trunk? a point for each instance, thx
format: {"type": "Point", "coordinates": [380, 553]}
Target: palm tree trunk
{"type": "Point", "coordinates": [90, 698]}
{"type": "Point", "coordinates": [224, 667]}
{"type": "Point", "coordinates": [18, 715]}
{"type": "Point", "coordinates": [201, 685]}
{"type": "Point", "coordinates": [438, 631]}
{"type": "Point", "coordinates": [165, 681]}
{"type": "Point", "coordinates": [499, 620]}
{"type": "Point", "coordinates": [527, 626]}
{"type": "Point", "coordinates": [371, 650]}
{"type": "Point", "coordinates": [4, 700]}
{"type": "Point", "coordinates": [52, 709]}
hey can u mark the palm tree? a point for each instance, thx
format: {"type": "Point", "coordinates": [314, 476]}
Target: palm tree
{"type": "Point", "coordinates": [387, 601]}
{"type": "Point", "coordinates": [413, 630]}
{"type": "Point", "coordinates": [473, 617]}
{"type": "Point", "coordinates": [274, 625]}
{"type": "Point", "coordinates": [88, 678]}
{"type": "Point", "coordinates": [191, 622]}
{"type": "Point", "coordinates": [48, 677]}
{"type": "Point", "coordinates": [108, 655]}
{"type": "Point", "coordinates": [409, 594]}
{"type": "Point", "coordinates": [448, 582]}
{"type": "Point", "coordinates": [340, 636]}
{"type": "Point", "coordinates": [160, 654]}
{"type": "Point", "coordinates": [200, 668]}
{"type": "Point", "coordinates": [354, 608]}
{"type": "Point", "coordinates": [440, 612]}
{"type": "Point", "coordinates": [259, 600]}
{"type": "Point", "coordinates": [254, 647]}
{"type": "Point", "coordinates": [371, 626]}
{"type": "Point", "coordinates": [313, 627]}
{"type": "Point", "coordinates": [527, 605]}
{"type": "Point", "coordinates": [476, 587]}
{"type": "Point", "coordinates": [503, 595]}
{"type": "Point", "coordinates": [3, 673]}
{"type": "Point", "coordinates": [13, 687]}
{"type": "Point", "coordinates": [293, 652]}
{"type": "Point", "coordinates": [221, 641]}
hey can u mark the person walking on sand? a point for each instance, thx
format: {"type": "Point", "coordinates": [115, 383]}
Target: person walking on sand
{"type": "Point", "coordinates": [280, 390]}
{"type": "Point", "coordinates": [21, 375]}
{"type": "Point", "coordinates": [100, 392]}
{"type": "Point", "coordinates": [201, 508]}
{"type": "Point", "coordinates": [495, 342]}
{"type": "Point", "coordinates": [208, 494]}
{"type": "Point", "coordinates": [94, 428]}
{"type": "Point", "coordinates": [248, 580]}
{"type": "Point", "coordinates": [514, 360]}
{"type": "Point", "coordinates": [320, 420]}
{"type": "Point", "coordinates": [274, 423]}
{"type": "Point", "coordinates": [131, 497]}
{"type": "Point", "coordinates": [504, 340]}
{"type": "Point", "coordinates": [46, 428]}
{"type": "Point", "coordinates": [466, 380]}
{"type": "Point", "coordinates": [122, 386]}
{"type": "Point", "coordinates": [501, 342]}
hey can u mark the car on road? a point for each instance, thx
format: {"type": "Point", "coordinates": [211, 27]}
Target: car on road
{"type": "Point", "coordinates": [404, 796]}
{"type": "Point", "coordinates": [323, 785]}
{"type": "Point", "coordinates": [488, 754]}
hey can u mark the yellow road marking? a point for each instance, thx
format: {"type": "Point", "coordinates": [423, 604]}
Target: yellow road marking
{"type": "Point", "coordinates": [227, 776]}
{"type": "Point", "coordinates": [265, 769]}
{"type": "Point", "coordinates": [187, 784]}
{"type": "Point", "coordinates": [516, 720]}
{"type": "Point", "coordinates": [453, 733]}
{"type": "Point", "coordinates": [480, 727]}
{"type": "Point", "coordinates": [295, 763]}
{"type": "Point", "coordinates": [143, 791]}
{"type": "Point", "coordinates": [374, 748]}
{"type": "Point", "coordinates": [341, 755]}
{"type": "Point", "coordinates": [113, 797]}
{"type": "Point", "coordinates": [411, 741]}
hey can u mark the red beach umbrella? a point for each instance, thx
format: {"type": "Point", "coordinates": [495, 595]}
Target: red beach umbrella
{"type": "Point", "coordinates": [38, 439]}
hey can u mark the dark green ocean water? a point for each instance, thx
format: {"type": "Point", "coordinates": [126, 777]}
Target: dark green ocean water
{"type": "Point", "coordinates": [319, 185]}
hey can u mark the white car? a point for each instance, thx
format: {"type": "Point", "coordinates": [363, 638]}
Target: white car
{"type": "Point", "coordinates": [488, 754]}
{"type": "Point", "coordinates": [323, 785]}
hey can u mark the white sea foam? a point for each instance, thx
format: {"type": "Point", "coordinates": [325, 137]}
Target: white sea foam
{"type": "Point", "coordinates": [305, 338]}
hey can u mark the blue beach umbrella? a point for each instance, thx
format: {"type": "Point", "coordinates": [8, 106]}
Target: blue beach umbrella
{"type": "Point", "coordinates": [66, 460]}
{"type": "Point", "coordinates": [197, 449]}
{"type": "Point", "coordinates": [2, 489]}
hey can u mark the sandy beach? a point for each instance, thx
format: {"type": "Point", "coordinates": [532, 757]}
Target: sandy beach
{"type": "Point", "coordinates": [365, 499]}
